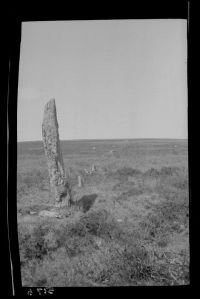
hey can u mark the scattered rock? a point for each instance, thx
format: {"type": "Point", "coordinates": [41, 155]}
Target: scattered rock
{"type": "Point", "coordinates": [33, 212]}
{"type": "Point", "coordinates": [45, 213]}
{"type": "Point", "coordinates": [119, 220]}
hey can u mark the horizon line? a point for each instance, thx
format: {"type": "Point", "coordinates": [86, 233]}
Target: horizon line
{"type": "Point", "coordinates": [101, 139]}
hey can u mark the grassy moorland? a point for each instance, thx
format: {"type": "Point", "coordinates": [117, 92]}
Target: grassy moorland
{"type": "Point", "coordinates": [129, 224]}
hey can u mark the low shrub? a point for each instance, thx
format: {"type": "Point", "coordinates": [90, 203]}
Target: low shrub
{"type": "Point", "coordinates": [36, 243]}
{"type": "Point", "coordinates": [122, 265]}
{"type": "Point", "coordinates": [128, 171]}
{"type": "Point", "coordinates": [76, 245]}
{"type": "Point", "coordinates": [152, 172]}
{"type": "Point", "coordinates": [168, 171]}
{"type": "Point", "coordinates": [96, 222]}
{"type": "Point", "coordinates": [166, 217]}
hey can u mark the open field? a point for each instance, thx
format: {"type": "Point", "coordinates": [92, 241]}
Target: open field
{"type": "Point", "coordinates": [129, 224]}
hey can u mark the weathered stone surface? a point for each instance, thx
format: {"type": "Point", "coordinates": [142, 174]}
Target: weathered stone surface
{"type": "Point", "coordinates": [59, 185]}
{"type": "Point", "coordinates": [80, 181]}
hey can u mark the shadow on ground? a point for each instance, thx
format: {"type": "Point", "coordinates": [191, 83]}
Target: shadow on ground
{"type": "Point", "coordinates": [86, 202]}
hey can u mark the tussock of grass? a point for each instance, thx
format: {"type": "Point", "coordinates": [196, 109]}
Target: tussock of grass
{"type": "Point", "coordinates": [166, 217]}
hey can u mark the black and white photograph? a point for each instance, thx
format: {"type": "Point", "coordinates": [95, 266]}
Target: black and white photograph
{"type": "Point", "coordinates": [102, 153]}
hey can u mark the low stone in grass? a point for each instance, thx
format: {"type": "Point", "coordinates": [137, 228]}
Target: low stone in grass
{"type": "Point", "coordinates": [45, 213]}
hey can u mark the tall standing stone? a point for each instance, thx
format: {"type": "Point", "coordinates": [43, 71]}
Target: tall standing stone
{"type": "Point", "coordinates": [59, 186]}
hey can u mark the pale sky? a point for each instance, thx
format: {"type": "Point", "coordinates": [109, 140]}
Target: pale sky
{"type": "Point", "coordinates": [110, 78]}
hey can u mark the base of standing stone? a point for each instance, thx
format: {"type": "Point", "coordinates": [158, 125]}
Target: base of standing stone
{"type": "Point", "coordinates": [61, 204]}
